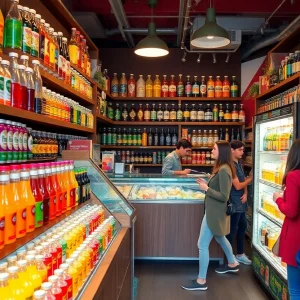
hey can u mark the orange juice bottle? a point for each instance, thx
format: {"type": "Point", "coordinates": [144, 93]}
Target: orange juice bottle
{"type": "Point", "coordinates": [210, 88]}
{"type": "Point", "coordinates": [23, 274]}
{"type": "Point", "coordinates": [73, 184]}
{"type": "Point", "coordinates": [74, 274]}
{"type": "Point", "coordinates": [28, 197]}
{"type": "Point", "coordinates": [4, 287]}
{"type": "Point", "coordinates": [157, 87]}
{"type": "Point", "coordinates": [18, 200]}
{"type": "Point", "coordinates": [15, 284]}
{"type": "Point", "coordinates": [65, 180]}
{"type": "Point", "coordinates": [33, 273]}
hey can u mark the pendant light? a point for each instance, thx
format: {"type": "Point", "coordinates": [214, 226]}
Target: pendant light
{"type": "Point", "coordinates": [151, 45]}
{"type": "Point", "coordinates": [210, 35]}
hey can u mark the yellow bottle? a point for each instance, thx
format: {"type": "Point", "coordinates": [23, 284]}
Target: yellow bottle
{"type": "Point", "coordinates": [24, 276]}
{"type": "Point", "coordinates": [149, 87]}
{"type": "Point", "coordinates": [33, 273]}
{"type": "Point", "coordinates": [4, 287]}
{"type": "Point", "coordinates": [15, 284]}
{"type": "Point", "coordinates": [1, 31]}
{"type": "Point", "coordinates": [157, 87]}
{"type": "Point", "coordinates": [79, 268]}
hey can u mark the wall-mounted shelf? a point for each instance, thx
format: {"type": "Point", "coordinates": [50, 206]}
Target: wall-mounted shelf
{"type": "Point", "coordinates": [150, 99]}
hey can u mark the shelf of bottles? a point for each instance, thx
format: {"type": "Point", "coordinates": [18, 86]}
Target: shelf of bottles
{"type": "Point", "coordinates": [32, 52]}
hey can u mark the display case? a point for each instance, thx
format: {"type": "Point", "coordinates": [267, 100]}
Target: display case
{"type": "Point", "coordinates": [84, 221]}
{"type": "Point", "coordinates": [274, 134]}
{"type": "Point", "coordinates": [170, 211]}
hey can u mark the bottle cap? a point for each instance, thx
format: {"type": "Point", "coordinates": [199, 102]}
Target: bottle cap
{"type": "Point", "coordinates": [4, 276]}
{"type": "Point", "coordinates": [5, 62]}
{"type": "Point", "coordinates": [13, 54]}
{"type": "Point", "coordinates": [47, 286]}
{"type": "Point", "coordinates": [22, 263]}
{"type": "Point", "coordinates": [33, 11]}
{"type": "Point", "coordinates": [21, 67]}
{"type": "Point", "coordinates": [29, 70]}
{"type": "Point", "coordinates": [24, 57]}
{"type": "Point", "coordinates": [39, 294]}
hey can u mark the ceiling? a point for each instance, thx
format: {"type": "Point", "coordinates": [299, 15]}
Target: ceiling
{"type": "Point", "coordinates": [98, 19]}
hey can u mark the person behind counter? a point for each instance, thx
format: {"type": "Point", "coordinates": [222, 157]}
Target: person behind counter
{"type": "Point", "coordinates": [172, 163]}
{"type": "Point", "coordinates": [215, 222]}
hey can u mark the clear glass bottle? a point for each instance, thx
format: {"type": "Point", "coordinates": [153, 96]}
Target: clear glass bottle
{"type": "Point", "coordinates": [141, 87]}
{"type": "Point", "coordinates": [38, 87]}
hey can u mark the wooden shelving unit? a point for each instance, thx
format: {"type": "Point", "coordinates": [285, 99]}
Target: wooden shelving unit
{"type": "Point", "coordinates": [178, 123]}
{"type": "Point", "coordinates": [163, 99]}
{"type": "Point", "coordinates": [33, 118]}
{"type": "Point", "coordinates": [149, 147]}
{"type": "Point", "coordinates": [184, 165]}
{"type": "Point", "coordinates": [103, 119]}
{"type": "Point", "coordinates": [31, 161]}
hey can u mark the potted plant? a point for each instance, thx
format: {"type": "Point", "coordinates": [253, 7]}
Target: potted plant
{"type": "Point", "coordinates": [253, 90]}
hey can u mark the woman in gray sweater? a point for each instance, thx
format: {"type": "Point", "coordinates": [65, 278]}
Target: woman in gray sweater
{"type": "Point", "coordinates": [215, 221]}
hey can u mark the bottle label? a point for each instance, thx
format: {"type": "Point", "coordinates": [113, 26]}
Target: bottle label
{"type": "Point", "coordinates": [140, 115]}
{"type": "Point", "coordinates": [20, 143]}
{"type": "Point", "coordinates": [35, 44]}
{"type": "Point", "coordinates": [46, 50]}
{"type": "Point", "coordinates": [125, 115]}
{"type": "Point", "coordinates": [186, 114]}
{"type": "Point", "coordinates": [164, 89]}
{"type": "Point", "coordinates": [42, 46]}
{"type": "Point", "coordinates": [16, 141]}
{"type": "Point", "coordinates": [242, 117]}
{"type": "Point", "coordinates": [3, 140]}
{"type": "Point", "coordinates": [172, 88]}
{"type": "Point", "coordinates": [199, 140]}
{"type": "Point", "coordinates": [149, 90]}
{"type": "Point", "coordinates": [208, 116]}
{"type": "Point", "coordinates": [180, 90]}
{"type": "Point", "coordinates": [21, 221]}
{"type": "Point", "coordinates": [193, 115]}
{"type": "Point", "coordinates": [211, 88]}
{"type": "Point", "coordinates": [179, 115]}
{"type": "Point", "coordinates": [30, 217]}
{"type": "Point", "coordinates": [188, 89]}
{"type": "Point", "coordinates": [147, 115]}
{"type": "Point", "coordinates": [39, 215]}
{"type": "Point", "coordinates": [218, 89]}
{"type": "Point", "coordinates": [196, 89]}
{"type": "Point", "coordinates": [200, 115]}
{"type": "Point", "coordinates": [226, 89]}
{"type": "Point", "coordinates": [203, 89]}
{"type": "Point", "coordinates": [114, 89]}
{"type": "Point", "coordinates": [13, 34]}
{"type": "Point", "coordinates": [160, 115]}
{"type": "Point", "coordinates": [110, 113]}
{"type": "Point", "coordinates": [123, 88]}
{"type": "Point", "coordinates": [7, 91]}
{"type": "Point", "coordinates": [10, 227]}
{"type": "Point", "coordinates": [235, 115]}
{"type": "Point", "coordinates": [26, 43]}
{"type": "Point", "coordinates": [210, 140]}
{"type": "Point", "coordinates": [173, 115]}
{"type": "Point", "coordinates": [25, 141]}
{"type": "Point", "coordinates": [205, 140]}
{"type": "Point", "coordinates": [166, 115]}
{"type": "Point", "coordinates": [215, 115]}
{"type": "Point", "coordinates": [117, 115]}
{"type": "Point", "coordinates": [141, 90]}
{"type": "Point", "coordinates": [132, 114]}
{"type": "Point", "coordinates": [153, 115]}
{"type": "Point", "coordinates": [131, 89]}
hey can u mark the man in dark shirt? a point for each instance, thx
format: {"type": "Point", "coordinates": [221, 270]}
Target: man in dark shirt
{"type": "Point", "coordinates": [238, 197]}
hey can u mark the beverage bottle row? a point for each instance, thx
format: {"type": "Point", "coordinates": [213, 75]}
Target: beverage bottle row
{"type": "Point", "coordinates": [273, 171]}
{"type": "Point", "coordinates": [288, 97]}
{"type": "Point", "coordinates": [207, 138]}
{"type": "Point", "coordinates": [171, 88]}
{"type": "Point", "coordinates": [289, 66]}
{"type": "Point", "coordinates": [269, 206]}
{"type": "Point", "coordinates": [135, 137]}
{"type": "Point", "coordinates": [23, 89]}
{"type": "Point", "coordinates": [179, 114]}
{"type": "Point", "coordinates": [33, 194]}
{"type": "Point", "coordinates": [278, 138]}
{"type": "Point", "coordinates": [102, 78]}
{"type": "Point", "coordinates": [268, 237]}
{"type": "Point", "coordinates": [55, 265]}
{"type": "Point", "coordinates": [27, 31]}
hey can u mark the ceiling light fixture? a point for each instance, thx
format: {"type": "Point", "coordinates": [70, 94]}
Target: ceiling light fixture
{"type": "Point", "coordinates": [210, 35]}
{"type": "Point", "coordinates": [199, 58]}
{"type": "Point", "coordinates": [151, 45]}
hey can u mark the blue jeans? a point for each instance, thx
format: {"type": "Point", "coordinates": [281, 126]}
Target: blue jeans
{"type": "Point", "coordinates": [238, 226]}
{"type": "Point", "coordinates": [203, 244]}
{"type": "Point", "coordinates": [293, 282]}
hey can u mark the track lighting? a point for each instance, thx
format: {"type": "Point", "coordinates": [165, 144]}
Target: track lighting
{"type": "Point", "coordinates": [227, 57]}
{"type": "Point", "coordinates": [214, 58]}
{"type": "Point", "coordinates": [183, 57]}
{"type": "Point", "coordinates": [199, 58]}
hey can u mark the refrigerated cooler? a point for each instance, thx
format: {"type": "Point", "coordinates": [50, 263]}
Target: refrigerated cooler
{"type": "Point", "coordinates": [274, 133]}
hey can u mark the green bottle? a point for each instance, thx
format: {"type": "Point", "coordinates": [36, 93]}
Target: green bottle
{"type": "Point", "coordinates": [13, 27]}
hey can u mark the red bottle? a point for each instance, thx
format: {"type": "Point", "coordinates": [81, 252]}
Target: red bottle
{"type": "Point", "coordinates": [47, 258]}
{"type": "Point", "coordinates": [57, 188]}
{"type": "Point", "coordinates": [164, 87]}
{"type": "Point", "coordinates": [56, 290]}
{"type": "Point", "coordinates": [54, 253]}
{"type": "Point", "coordinates": [47, 287]}
{"type": "Point", "coordinates": [58, 247]}
{"type": "Point", "coordinates": [34, 183]}
{"type": "Point", "coordinates": [51, 191]}
{"type": "Point", "coordinates": [62, 283]}
{"type": "Point", "coordinates": [68, 278]}
{"type": "Point", "coordinates": [44, 192]}
{"type": "Point", "coordinates": [172, 87]}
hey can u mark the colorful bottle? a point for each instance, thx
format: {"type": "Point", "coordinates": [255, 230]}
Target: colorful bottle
{"type": "Point", "coordinates": [6, 82]}
{"type": "Point", "coordinates": [26, 32]}
{"type": "Point", "coordinates": [44, 192]}
{"type": "Point", "coordinates": [18, 201]}
{"type": "Point", "coordinates": [28, 197]}
{"type": "Point", "coordinates": [115, 86]}
{"type": "Point", "coordinates": [234, 89]}
{"type": "Point", "coordinates": [66, 205]}
{"type": "Point", "coordinates": [172, 87]}
{"type": "Point", "coordinates": [13, 27]}
{"type": "Point", "coordinates": [188, 87]}
{"type": "Point", "coordinates": [23, 87]}
{"type": "Point", "coordinates": [62, 283]}
{"type": "Point", "coordinates": [226, 87]}
{"type": "Point", "coordinates": [131, 86]}
{"type": "Point", "coordinates": [46, 44]}
{"type": "Point", "coordinates": [4, 287]}
{"type": "Point", "coordinates": [35, 35]}
{"type": "Point", "coordinates": [24, 276]}
{"type": "Point", "coordinates": [218, 88]}
{"type": "Point", "coordinates": [149, 87]}
{"type": "Point", "coordinates": [164, 87]}
{"type": "Point", "coordinates": [1, 31]}
{"type": "Point", "coordinates": [16, 94]}
{"type": "Point", "coordinates": [63, 197]}
{"type": "Point", "coordinates": [140, 87]}
{"type": "Point", "coordinates": [56, 188]}
{"type": "Point", "coordinates": [47, 290]}
{"type": "Point", "coordinates": [15, 284]}
{"type": "Point", "coordinates": [73, 48]}
{"type": "Point", "coordinates": [210, 88]}
{"type": "Point", "coordinates": [73, 185]}
{"type": "Point", "coordinates": [51, 191]}
{"type": "Point", "coordinates": [123, 86]}
{"type": "Point", "coordinates": [41, 267]}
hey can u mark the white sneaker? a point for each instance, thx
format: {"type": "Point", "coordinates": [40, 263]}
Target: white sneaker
{"type": "Point", "coordinates": [243, 259]}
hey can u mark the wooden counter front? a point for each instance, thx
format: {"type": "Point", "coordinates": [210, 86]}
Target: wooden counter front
{"type": "Point", "coordinates": [112, 280]}
{"type": "Point", "coordinates": [170, 231]}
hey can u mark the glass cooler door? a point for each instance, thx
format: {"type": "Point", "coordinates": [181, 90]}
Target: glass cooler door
{"type": "Point", "coordinates": [273, 138]}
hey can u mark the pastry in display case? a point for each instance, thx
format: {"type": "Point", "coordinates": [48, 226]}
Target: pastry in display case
{"type": "Point", "coordinates": [68, 251]}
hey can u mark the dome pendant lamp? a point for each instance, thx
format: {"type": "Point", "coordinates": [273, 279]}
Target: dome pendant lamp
{"type": "Point", "coordinates": [151, 45]}
{"type": "Point", "coordinates": [210, 35]}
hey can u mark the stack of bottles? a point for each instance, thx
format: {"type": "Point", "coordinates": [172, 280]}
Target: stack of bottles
{"type": "Point", "coordinates": [57, 264]}
{"type": "Point", "coordinates": [186, 114]}
{"type": "Point", "coordinates": [27, 31]}
{"type": "Point", "coordinates": [289, 66]}
{"type": "Point", "coordinates": [268, 237]}
{"type": "Point", "coordinates": [273, 171]}
{"type": "Point", "coordinates": [23, 89]}
{"type": "Point", "coordinates": [33, 194]}
{"type": "Point", "coordinates": [133, 157]}
{"type": "Point", "coordinates": [269, 206]}
{"type": "Point", "coordinates": [288, 97]}
{"type": "Point", "coordinates": [171, 88]}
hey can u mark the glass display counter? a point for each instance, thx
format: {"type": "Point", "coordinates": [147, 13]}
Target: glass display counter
{"type": "Point", "coordinates": [170, 212]}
